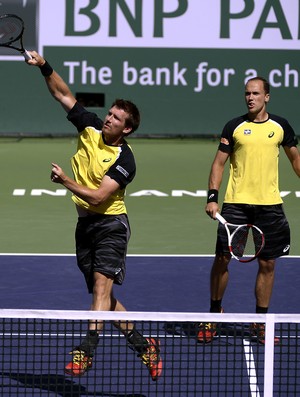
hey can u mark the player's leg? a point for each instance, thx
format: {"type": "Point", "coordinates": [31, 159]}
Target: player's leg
{"type": "Point", "coordinates": [219, 274]}
{"type": "Point", "coordinates": [112, 257]}
{"type": "Point", "coordinates": [147, 348]}
{"type": "Point", "coordinates": [218, 284]}
{"type": "Point", "coordinates": [219, 279]}
{"type": "Point", "coordinates": [263, 292]}
{"type": "Point", "coordinates": [82, 355]}
{"type": "Point", "coordinates": [264, 282]}
{"type": "Point", "coordinates": [272, 220]}
{"type": "Point", "coordinates": [82, 358]}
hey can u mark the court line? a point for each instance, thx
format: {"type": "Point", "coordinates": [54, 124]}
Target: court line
{"type": "Point", "coordinates": [251, 370]}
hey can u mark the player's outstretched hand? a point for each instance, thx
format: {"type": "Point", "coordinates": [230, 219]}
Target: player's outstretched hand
{"type": "Point", "coordinates": [36, 59]}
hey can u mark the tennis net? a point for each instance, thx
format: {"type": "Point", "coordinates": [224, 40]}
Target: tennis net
{"type": "Point", "coordinates": [35, 346]}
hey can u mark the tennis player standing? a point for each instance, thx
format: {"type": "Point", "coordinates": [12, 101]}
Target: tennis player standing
{"type": "Point", "coordinates": [103, 166]}
{"type": "Point", "coordinates": [251, 143]}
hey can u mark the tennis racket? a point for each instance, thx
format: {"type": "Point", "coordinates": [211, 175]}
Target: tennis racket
{"type": "Point", "coordinates": [11, 30]}
{"type": "Point", "coordinates": [245, 242]}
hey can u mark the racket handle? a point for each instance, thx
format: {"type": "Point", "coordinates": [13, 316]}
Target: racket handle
{"type": "Point", "coordinates": [26, 55]}
{"type": "Point", "coordinates": [220, 218]}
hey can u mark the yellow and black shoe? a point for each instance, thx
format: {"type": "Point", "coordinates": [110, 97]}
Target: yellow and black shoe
{"type": "Point", "coordinates": [80, 363]}
{"type": "Point", "coordinates": [208, 331]}
{"type": "Point", "coordinates": [152, 359]}
{"type": "Point", "coordinates": [258, 333]}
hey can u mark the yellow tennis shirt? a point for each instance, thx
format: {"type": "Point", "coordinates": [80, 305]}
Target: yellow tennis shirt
{"type": "Point", "coordinates": [254, 154]}
{"type": "Point", "coordinates": [94, 159]}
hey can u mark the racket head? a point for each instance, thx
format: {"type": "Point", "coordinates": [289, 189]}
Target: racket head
{"type": "Point", "coordinates": [11, 29]}
{"type": "Point", "coordinates": [246, 243]}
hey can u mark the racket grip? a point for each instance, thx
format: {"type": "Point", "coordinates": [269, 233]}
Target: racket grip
{"type": "Point", "coordinates": [220, 218]}
{"type": "Point", "coordinates": [26, 55]}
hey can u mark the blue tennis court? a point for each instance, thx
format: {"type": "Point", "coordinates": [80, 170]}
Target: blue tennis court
{"type": "Point", "coordinates": [152, 283]}
{"type": "Point", "coordinates": [231, 365]}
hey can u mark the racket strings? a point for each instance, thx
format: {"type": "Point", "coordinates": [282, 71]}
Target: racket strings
{"type": "Point", "coordinates": [247, 241]}
{"type": "Point", "coordinates": [11, 29]}
{"type": "Point", "coordinates": [239, 241]}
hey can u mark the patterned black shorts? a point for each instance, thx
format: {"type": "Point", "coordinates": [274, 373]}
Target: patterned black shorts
{"type": "Point", "coordinates": [101, 246]}
{"type": "Point", "coordinates": [270, 219]}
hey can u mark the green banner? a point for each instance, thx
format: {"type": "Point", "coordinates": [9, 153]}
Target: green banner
{"type": "Point", "coordinates": [179, 91]}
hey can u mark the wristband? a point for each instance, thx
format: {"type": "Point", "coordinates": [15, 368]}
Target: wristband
{"type": "Point", "coordinates": [46, 69]}
{"type": "Point", "coordinates": [212, 196]}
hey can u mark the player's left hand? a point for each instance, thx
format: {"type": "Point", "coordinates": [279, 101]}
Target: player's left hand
{"type": "Point", "coordinates": [57, 174]}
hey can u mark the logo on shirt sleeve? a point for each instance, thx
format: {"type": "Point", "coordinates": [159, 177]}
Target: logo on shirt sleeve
{"type": "Point", "coordinates": [224, 141]}
{"type": "Point", "coordinates": [122, 170]}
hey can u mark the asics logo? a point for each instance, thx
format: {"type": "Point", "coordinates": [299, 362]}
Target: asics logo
{"type": "Point", "coordinates": [285, 249]}
{"type": "Point", "coordinates": [106, 160]}
{"type": "Point", "coordinates": [271, 134]}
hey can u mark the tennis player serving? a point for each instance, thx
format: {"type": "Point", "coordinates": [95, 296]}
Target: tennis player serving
{"type": "Point", "coordinates": [252, 144]}
{"type": "Point", "coordinates": [103, 166]}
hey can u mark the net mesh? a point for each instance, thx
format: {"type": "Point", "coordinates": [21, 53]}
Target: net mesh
{"type": "Point", "coordinates": [35, 347]}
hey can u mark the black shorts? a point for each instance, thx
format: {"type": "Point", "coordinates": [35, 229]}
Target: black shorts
{"type": "Point", "coordinates": [270, 219]}
{"type": "Point", "coordinates": [101, 246]}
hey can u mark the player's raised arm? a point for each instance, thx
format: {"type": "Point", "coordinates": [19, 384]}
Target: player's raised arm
{"type": "Point", "coordinates": [56, 85]}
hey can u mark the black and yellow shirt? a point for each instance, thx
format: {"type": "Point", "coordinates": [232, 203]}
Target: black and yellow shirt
{"type": "Point", "coordinates": [254, 154]}
{"type": "Point", "coordinates": [94, 159]}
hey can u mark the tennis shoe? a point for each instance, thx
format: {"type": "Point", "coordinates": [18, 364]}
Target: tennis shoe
{"type": "Point", "coordinates": [152, 359]}
{"type": "Point", "coordinates": [80, 363]}
{"type": "Point", "coordinates": [207, 331]}
{"type": "Point", "coordinates": [258, 333]}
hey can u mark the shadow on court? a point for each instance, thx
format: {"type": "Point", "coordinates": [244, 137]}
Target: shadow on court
{"type": "Point", "coordinates": [57, 384]}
